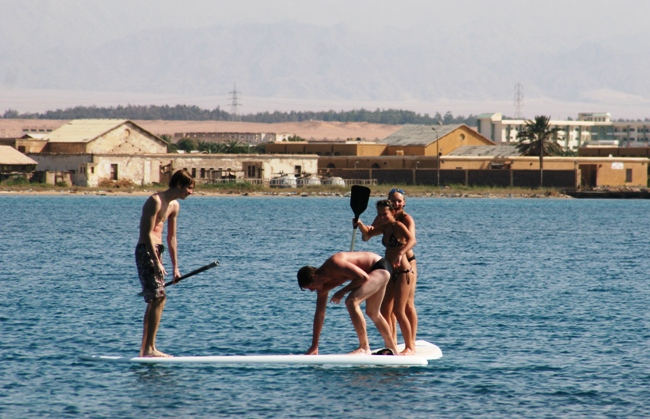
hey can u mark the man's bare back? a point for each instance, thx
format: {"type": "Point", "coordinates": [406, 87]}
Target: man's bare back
{"type": "Point", "coordinates": [368, 274]}
{"type": "Point", "coordinates": [345, 266]}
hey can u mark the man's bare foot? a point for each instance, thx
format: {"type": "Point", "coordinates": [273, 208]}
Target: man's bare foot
{"type": "Point", "coordinates": [155, 354]}
{"type": "Point", "coordinates": [408, 351]}
{"type": "Point", "coordinates": [360, 351]}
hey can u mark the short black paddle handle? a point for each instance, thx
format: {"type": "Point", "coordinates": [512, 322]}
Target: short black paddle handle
{"type": "Point", "coordinates": [359, 197]}
{"type": "Point", "coordinates": [194, 272]}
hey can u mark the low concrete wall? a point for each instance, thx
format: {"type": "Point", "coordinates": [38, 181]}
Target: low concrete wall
{"type": "Point", "coordinates": [499, 178]}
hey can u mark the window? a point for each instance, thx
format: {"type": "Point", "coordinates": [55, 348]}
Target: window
{"type": "Point", "coordinates": [194, 172]}
{"type": "Point", "coordinates": [628, 175]}
{"type": "Point", "coordinates": [113, 171]}
{"type": "Point", "coordinates": [297, 170]}
{"type": "Point", "coordinates": [202, 173]}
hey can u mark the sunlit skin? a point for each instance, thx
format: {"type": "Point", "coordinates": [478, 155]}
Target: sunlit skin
{"type": "Point", "coordinates": [364, 284]}
{"type": "Point", "coordinates": [399, 289]}
{"type": "Point", "coordinates": [399, 202]}
{"type": "Point", "coordinates": [158, 209]}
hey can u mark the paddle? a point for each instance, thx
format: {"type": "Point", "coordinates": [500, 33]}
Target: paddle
{"type": "Point", "coordinates": [194, 272]}
{"type": "Point", "coordinates": [359, 197]}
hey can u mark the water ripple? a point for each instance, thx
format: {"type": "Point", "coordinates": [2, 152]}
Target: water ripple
{"type": "Point", "coordinates": [540, 308]}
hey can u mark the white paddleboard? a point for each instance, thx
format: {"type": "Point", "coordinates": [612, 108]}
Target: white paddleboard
{"type": "Point", "coordinates": [425, 351]}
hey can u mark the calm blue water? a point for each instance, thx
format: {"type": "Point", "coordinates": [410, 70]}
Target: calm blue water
{"type": "Point", "coordinates": [539, 306]}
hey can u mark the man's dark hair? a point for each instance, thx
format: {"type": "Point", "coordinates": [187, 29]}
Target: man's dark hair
{"type": "Point", "coordinates": [306, 276]}
{"type": "Point", "coordinates": [181, 178]}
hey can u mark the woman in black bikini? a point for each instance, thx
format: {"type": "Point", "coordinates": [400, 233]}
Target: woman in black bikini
{"type": "Point", "coordinates": [398, 198]}
{"type": "Point", "coordinates": [398, 241]}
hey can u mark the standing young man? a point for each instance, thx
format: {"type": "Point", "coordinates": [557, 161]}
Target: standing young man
{"type": "Point", "coordinates": [159, 208]}
{"type": "Point", "coordinates": [368, 274]}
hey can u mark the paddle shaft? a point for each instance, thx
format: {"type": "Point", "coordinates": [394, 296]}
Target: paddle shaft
{"type": "Point", "coordinates": [194, 272]}
{"type": "Point", "coordinates": [354, 236]}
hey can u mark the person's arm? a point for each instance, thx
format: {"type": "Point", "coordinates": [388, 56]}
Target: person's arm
{"type": "Point", "coordinates": [409, 222]}
{"type": "Point", "coordinates": [400, 230]}
{"type": "Point", "coordinates": [410, 237]}
{"type": "Point", "coordinates": [319, 320]}
{"type": "Point", "coordinates": [352, 285]}
{"type": "Point", "coordinates": [147, 227]}
{"type": "Point", "coordinates": [358, 276]}
{"type": "Point", "coordinates": [171, 240]}
{"type": "Point", "coordinates": [367, 231]}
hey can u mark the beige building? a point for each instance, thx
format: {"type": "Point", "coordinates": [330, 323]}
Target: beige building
{"type": "Point", "coordinates": [95, 150]}
{"type": "Point", "coordinates": [225, 137]}
{"type": "Point", "coordinates": [13, 163]}
{"type": "Point", "coordinates": [91, 150]}
{"type": "Point", "coordinates": [498, 170]}
{"type": "Point", "coordinates": [409, 156]}
{"type": "Point", "coordinates": [431, 140]}
{"type": "Point", "coordinates": [410, 140]}
{"type": "Point", "coordinates": [254, 168]}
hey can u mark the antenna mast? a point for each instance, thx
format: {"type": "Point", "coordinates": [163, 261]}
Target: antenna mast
{"type": "Point", "coordinates": [519, 99]}
{"type": "Point", "coordinates": [234, 103]}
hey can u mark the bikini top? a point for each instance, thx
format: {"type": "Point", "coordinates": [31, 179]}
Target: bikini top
{"type": "Point", "coordinates": [392, 241]}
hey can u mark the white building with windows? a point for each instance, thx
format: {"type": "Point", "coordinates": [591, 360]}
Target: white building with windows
{"type": "Point", "coordinates": [589, 129]}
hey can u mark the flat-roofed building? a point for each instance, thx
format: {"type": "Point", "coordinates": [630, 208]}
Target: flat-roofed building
{"type": "Point", "coordinates": [590, 129]}
{"type": "Point", "coordinates": [225, 137]}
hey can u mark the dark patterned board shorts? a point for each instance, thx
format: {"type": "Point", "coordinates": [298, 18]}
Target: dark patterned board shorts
{"type": "Point", "coordinates": [153, 284]}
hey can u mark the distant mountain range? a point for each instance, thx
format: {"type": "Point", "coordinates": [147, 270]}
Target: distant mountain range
{"type": "Point", "coordinates": [329, 63]}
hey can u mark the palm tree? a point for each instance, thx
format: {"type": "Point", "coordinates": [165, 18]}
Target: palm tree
{"type": "Point", "coordinates": [211, 148]}
{"type": "Point", "coordinates": [235, 147]}
{"type": "Point", "coordinates": [538, 138]}
{"type": "Point", "coordinates": [171, 147]}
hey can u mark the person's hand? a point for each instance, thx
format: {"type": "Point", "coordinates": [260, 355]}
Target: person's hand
{"type": "Point", "coordinates": [313, 350]}
{"type": "Point", "coordinates": [356, 222]}
{"type": "Point", "coordinates": [177, 274]}
{"type": "Point", "coordinates": [397, 260]}
{"type": "Point", "coordinates": [337, 297]}
{"type": "Point", "coordinates": [161, 269]}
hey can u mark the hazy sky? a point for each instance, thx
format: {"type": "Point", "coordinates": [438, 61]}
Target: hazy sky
{"type": "Point", "coordinates": [549, 25]}
{"type": "Point", "coordinates": [583, 19]}
{"type": "Point", "coordinates": [587, 19]}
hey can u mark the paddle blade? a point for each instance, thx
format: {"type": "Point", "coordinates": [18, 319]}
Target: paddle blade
{"type": "Point", "coordinates": [359, 197]}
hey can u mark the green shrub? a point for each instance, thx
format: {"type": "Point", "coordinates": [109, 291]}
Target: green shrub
{"type": "Point", "coordinates": [16, 181]}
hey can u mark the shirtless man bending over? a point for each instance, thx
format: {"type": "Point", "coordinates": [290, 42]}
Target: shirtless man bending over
{"type": "Point", "coordinates": [368, 274]}
{"type": "Point", "coordinates": [159, 208]}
